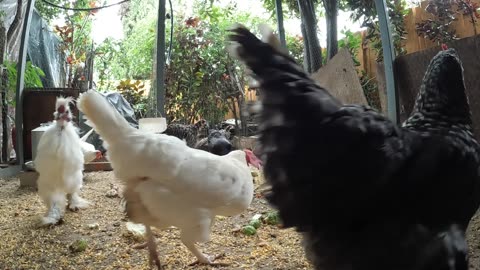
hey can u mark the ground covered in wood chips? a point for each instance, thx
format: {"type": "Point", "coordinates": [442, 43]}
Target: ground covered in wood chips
{"type": "Point", "coordinates": [108, 242]}
{"type": "Point", "coordinates": [102, 227]}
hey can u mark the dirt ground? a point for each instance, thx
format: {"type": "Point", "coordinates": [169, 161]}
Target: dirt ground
{"type": "Point", "coordinates": [103, 227]}
{"type": "Point", "coordinates": [473, 238]}
{"type": "Point", "coordinates": [109, 244]}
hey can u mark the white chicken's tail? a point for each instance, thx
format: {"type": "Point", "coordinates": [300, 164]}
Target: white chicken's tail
{"type": "Point", "coordinates": [85, 137]}
{"type": "Point", "coordinates": [102, 116]}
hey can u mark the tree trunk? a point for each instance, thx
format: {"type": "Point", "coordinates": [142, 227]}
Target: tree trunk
{"type": "Point", "coordinates": [4, 91]}
{"type": "Point", "coordinates": [306, 49]}
{"type": "Point", "coordinates": [331, 12]}
{"type": "Point", "coordinates": [312, 49]}
{"type": "Point", "coordinates": [241, 104]}
{"type": "Point", "coordinates": [233, 107]}
{"type": "Point", "coordinates": [16, 20]}
{"type": "Point", "coordinates": [243, 119]}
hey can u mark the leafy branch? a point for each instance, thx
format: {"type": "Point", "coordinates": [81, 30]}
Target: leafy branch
{"type": "Point", "coordinates": [439, 29]}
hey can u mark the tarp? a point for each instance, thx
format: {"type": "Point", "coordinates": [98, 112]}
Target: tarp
{"type": "Point", "coordinates": [9, 7]}
{"type": "Point", "coordinates": [42, 47]}
{"type": "Point", "coordinates": [43, 51]}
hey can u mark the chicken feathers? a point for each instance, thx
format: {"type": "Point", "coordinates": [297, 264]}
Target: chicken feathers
{"type": "Point", "coordinates": [357, 186]}
{"type": "Point", "coordinates": [168, 183]}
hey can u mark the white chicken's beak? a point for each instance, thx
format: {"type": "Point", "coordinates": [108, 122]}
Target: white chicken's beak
{"type": "Point", "coordinates": [63, 117]}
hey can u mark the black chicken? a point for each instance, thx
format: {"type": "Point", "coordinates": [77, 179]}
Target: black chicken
{"type": "Point", "coordinates": [188, 133]}
{"type": "Point", "coordinates": [366, 193]}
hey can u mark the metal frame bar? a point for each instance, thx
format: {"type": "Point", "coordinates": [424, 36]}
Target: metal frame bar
{"type": "Point", "coordinates": [22, 58]}
{"type": "Point", "coordinates": [281, 29]}
{"type": "Point", "coordinates": [160, 78]}
{"type": "Point", "coordinates": [388, 58]}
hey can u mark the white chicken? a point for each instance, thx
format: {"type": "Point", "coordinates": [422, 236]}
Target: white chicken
{"type": "Point", "coordinates": [59, 162]}
{"type": "Point", "coordinates": [168, 183]}
{"type": "Point", "coordinates": [89, 152]}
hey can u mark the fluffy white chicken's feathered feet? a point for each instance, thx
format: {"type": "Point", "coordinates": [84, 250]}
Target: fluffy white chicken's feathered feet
{"type": "Point", "coordinates": [52, 217]}
{"type": "Point", "coordinates": [75, 202]}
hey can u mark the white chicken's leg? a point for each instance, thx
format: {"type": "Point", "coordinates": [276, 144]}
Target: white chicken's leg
{"type": "Point", "coordinates": [52, 216]}
{"type": "Point", "coordinates": [75, 202]}
{"type": "Point", "coordinates": [152, 249]}
{"type": "Point", "coordinates": [55, 203]}
{"type": "Point", "coordinates": [200, 233]}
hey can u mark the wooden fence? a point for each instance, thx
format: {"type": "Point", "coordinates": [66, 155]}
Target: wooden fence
{"type": "Point", "coordinates": [250, 95]}
{"type": "Point", "coordinates": [413, 42]}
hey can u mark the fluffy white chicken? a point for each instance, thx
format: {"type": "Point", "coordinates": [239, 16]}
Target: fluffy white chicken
{"type": "Point", "coordinates": [168, 183]}
{"type": "Point", "coordinates": [59, 162]}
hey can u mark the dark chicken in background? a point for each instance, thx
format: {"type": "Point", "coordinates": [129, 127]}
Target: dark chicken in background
{"type": "Point", "coordinates": [364, 192]}
{"type": "Point", "coordinates": [216, 142]}
{"type": "Point", "coordinates": [188, 133]}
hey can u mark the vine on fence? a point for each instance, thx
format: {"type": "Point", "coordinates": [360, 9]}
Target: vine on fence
{"type": "Point", "coordinates": [439, 28]}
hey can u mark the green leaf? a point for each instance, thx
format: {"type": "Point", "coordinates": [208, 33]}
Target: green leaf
{"type": "Point", "coordinates": [256, 223]}
{"type": "Point", "coordinates": [272, 218]}
{"type": "Point", "coordinates": [249, 230]}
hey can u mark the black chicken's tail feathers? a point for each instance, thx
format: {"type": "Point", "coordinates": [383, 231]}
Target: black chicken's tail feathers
{"type": "Point", "coordinates": [261, 56]}
{"type": "Point", "coordinates": [275, 70]}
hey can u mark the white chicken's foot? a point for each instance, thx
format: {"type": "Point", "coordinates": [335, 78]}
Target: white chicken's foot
{"type": "Point", "coordinates": [202, 258]}
{"type": "Point", "coordinates": [75, 202]}
{"type": "Point", "coordinates": [152, 249]}
{"type": "Point", "coordinates": [52, 217]}
{"type": "Point", "coordinates": [210, 260]}
{"type": "Point", "coordinates": [142, 245]}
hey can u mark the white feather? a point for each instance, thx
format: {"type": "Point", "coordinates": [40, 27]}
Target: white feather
{"type": "Point", "coordinates": [89, 151]}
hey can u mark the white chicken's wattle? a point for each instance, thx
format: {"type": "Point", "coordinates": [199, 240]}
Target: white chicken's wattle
{"type": "Point", "coordinates": [59, 162]}
{"type": "Point", "coordinates": [168, 183]}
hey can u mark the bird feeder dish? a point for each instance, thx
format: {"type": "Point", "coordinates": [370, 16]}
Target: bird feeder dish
{"type": "Point", "coordinates": [155, 125]}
